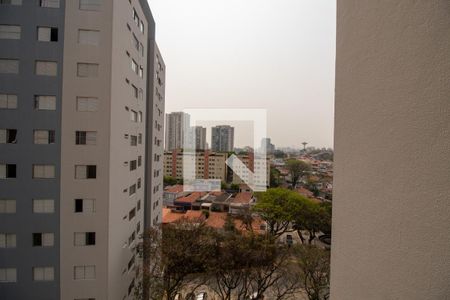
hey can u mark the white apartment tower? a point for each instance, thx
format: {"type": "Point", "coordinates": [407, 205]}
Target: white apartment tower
{"type": "Point", "coordinates": [177, 126]}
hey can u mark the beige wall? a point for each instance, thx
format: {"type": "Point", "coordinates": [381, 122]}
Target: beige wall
{"type": "Point", "coordinates": [120, 176]}
{"type": "Point", "coordinates": [111, 253]}
{"type": "Point", "coordinates": [391, 202]}
{"type": "Point", "coordinates": [72, 154]}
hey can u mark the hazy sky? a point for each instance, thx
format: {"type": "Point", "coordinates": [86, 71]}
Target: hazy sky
{"type": "Point", "coordinates": [272, 54]}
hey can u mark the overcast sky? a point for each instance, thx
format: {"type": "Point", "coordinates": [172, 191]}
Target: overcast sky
{"type": "Point", "coordinates": [272, 54]}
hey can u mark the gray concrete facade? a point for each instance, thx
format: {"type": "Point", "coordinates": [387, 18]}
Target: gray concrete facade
{"type": "Point", "coordinates": [25, 153]}
{"type": "Point", "coordinates": [118, 25]}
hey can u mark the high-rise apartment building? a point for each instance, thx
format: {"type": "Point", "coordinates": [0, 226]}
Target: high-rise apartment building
{"type": "Point", "coordinates": [200, 137]}
{"type": "Point", "coordinates": [177, 126]}
{"type": "Point", "coordinates": [81, 124]}
{"type": "Point", "coordinates": [222, 138]}
{"type": "Point", "coordinates": [267, 146]}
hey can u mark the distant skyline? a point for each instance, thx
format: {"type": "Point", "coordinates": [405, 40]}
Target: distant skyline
{"type": "Point", "coordinates": [277, 55]}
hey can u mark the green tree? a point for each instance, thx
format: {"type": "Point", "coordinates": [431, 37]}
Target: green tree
{"type": "Point", "coordinates": [273, 206]}
{"type": "Point", "coordinates": [169, 180]}
{"type": "Point", "coordinates": [297, 169]}
{"type": "Point", "coordinates": [274, 177]}
{"type": "Point", "coordinates": [314, 266]}
{"type": "Point", "coordinates": [310, 216]}
{"type": "Point", "coordinates": [234, 187]}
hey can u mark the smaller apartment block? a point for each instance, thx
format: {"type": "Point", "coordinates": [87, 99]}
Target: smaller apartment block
{"type": "Point", "coordinates": [212, 165]}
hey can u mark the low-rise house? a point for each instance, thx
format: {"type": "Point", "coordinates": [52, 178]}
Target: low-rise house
{"type": "Point", "coordinates": [241, 203]}
{"type": "Point", "coordinates": [186, 202]}
{"type": "Point", "coordinates": [173, 216]}
{"type": "Point", "coordinates": [171, 193]}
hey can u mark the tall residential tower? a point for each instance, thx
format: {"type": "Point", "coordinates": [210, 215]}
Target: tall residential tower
{"type": "Point", "coordinates": [177, 126]}
{"type": "Point", "coordinates": [222, 138]}
{"type": "Point", "coordinates": [81, 125]}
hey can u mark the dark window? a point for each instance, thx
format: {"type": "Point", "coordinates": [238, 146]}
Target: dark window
{"type": "Point", "coordinates": [11, 171]}
{"type": "Point", "coordinates": [139, 161]}
{"type": "Point", "coordinates": [132, 165]}
{"type": "Point", "coordinates": [37, 239]}
{"type": "Point", "coordinates": [78, 205]}
{"type": "Point", "coordinates": [54, 34]}
{"type": "Point", "coordinates": [80, 138]}
{"type": "Point", "coordinates": [132, 214]}
{"type": "Point", "coordinates": [91, 172]}
{"type": "Point", "coordinates": [51, 136]}
{"type": "Point", "coordinates": [90, 238]}
{"type": "Point", "coordinates": [11, 136]}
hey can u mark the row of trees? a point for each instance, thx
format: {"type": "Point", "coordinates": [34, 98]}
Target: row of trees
{"type": "Point", "coordinates": [285, 210]}
{"type": "Point", "coordinates": [187, 256]}
{"type": "Point", "coordinates": [235, 264]}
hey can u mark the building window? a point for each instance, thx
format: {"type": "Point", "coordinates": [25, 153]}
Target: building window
{"type": "Point", "coordinates": [7, 206]}
{"type": "Point", "coordinates": [133, 140]}
{"type": "Point", "coordinates": [7, 240]}
{"type": "Point", "coordinates": [9, 66]}
{"type": "Point", "coordinates": [89, 37]}
{"type": "Point", "coordinates": [43, 239]}
{"type": "Point", "coordinates": [141, 26]}
{"type": "Point", "coordinates": [140, 138]}
{"type": "Point", "coordinates": [8, 275]}
{"type": "Point", "coordinates": [83, 272]}
{"type": "Point", "coordinates": [46, 68]}
{"type": "Point", "coordinates": [139, 183]}
{"type": "Point", "coordinates": [87, 104]}
{"type": "Point", "coordinates": [138, 206]}
{"type": "Point", "coordinates": [43, 171]}
{"type": "Point", "coordinates": [44, 137]}
{"type": "Point", "coordinates": [84, 239]}
{"type": "Point", "coordinates": [43, 206]}
{"type": "Point", "coordinates": [84, 205]}
{"type": "Point", "coordinates": [8, 101]}
{"type": "Point", "coordinates": [135, 42]}
{"type": "Point", "coordinates": [132, 190]}
{"type": "Point", "coordinates": [43, 273]}
{"type": "Point", "coordinates": [134, 66]}
{"type": "Point", "coordinates": [11, 2]}
{"type": "Point", "coordinates": [86, 138]}
{"type": "Point", "coordinates": [86, 172]}
{"type": "Point", "coordinates": [8, 136]}
{"type": "Point", "coordinates": [139, 161]}
{"type": "Point", "coordinates": [134, 91]}
{"type": "Point", "coordinates": [141, 72]}
{"type": "Point", "coordinates": [132, 214]}
{"type": "Point", "coordinates": [135, 17]}
{"type": "Point", "coordinates": [49, 3]}
{"type": "Point", "coordinates": [133, 115]}
{"type": "Point", "coordinates": [133, 165]}
{"type": "Point", "coordinates": [141, 49]}
{"type": "Point", "coordinates": [47, 34]}
{"type": "Point", "coordinates": [139, 119]}
{"type": "Point", "coordinates": [92, 5]}
{"type": "Point", "coordinates": [45, 102]}
{"type": "Point", "coordinates": [7, 171]}
{"type": "Point", "coordinates": [10, 32]}
{"type": "Point", "coordinates": [87, 70]}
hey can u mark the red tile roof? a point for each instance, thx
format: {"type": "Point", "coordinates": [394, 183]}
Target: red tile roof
{"type": "Point", "coordinates": [191, 198]}
{"type": "Point", "coordinates": [244, 198]}
{"type": "Point", "coordinates": [305, 192]}
{"type": "Point", "coordinates": [174, 189]}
